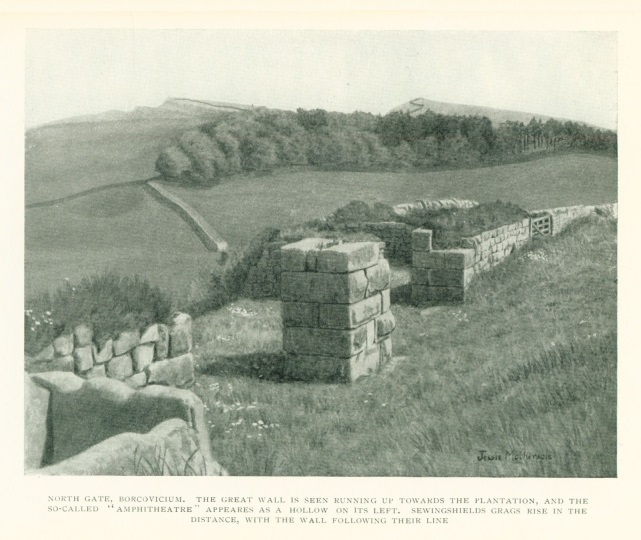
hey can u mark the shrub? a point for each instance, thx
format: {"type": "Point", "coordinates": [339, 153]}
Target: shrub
{"type": "Point", "coordinates": [108, 303]}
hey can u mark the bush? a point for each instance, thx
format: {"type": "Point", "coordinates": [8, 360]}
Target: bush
{"type": "Point", "coordinates": [108, 303]}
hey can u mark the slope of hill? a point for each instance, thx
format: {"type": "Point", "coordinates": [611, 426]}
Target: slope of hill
{"type": "Point", "coordinates": [497, 116]}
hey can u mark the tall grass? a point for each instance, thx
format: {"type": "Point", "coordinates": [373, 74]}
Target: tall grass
{"type": "Point", "coordinates": [527, 366]}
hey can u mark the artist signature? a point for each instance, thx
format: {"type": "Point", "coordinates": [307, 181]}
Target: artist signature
{"type": "Point", "coordinates": [511, 455]}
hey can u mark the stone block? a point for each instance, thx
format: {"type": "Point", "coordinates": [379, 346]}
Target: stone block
{"type": "Point", "coordinates": [293, 257]}
{"type": "Point", "coordinates": [323, 288]}
{"type": "Point", "coordinates": [328, 342]}
{"type": "Point", "coordinates": [97, 371]}
{"type": "Point", "coordinates": [385, 347]}
{"type": "Point", "coordinates": [333, 369]}
{"type": "Point", "coordinates": [120, 367]}
{"type": "Point", "coordinates": [105, 354]}
{"type": "Point", "coordinates": [385, 301]}
{"type": "Point", "coordinates": [151, 335]}
{"type": "Point", "coordinates": [143, 355]}
{"type": "Point", "coordinates": [180, 338]}
{"type": "Point", "coordinates": [162, 345]}
{"type": "Point", "coordinates": [428, 259]}
{"type": "Point", "coordinates": [378, 277]}
{"type": "Point", "coordinates": [385, 325]}
{"type": "Point", "coordinates": [125, 342]}
{"type": "Point", "coordinates": [421, 276]}
{"type": "Point", "coordinates": [62, 363]}
{"type": "Point", "coordinates": [348, 315]}
{"type": "Point", "coordinates": [178, 371]}
{"type": "Point", "coordinates": [347, 257]}
{"type": "Point", "coordinates": [83, 358]}
{"type": "Point", "coordinates": [137, 380]}
{"type": "Point", "coordinates": [83, 335]}
{"type": "Point", "coordinates": [422, 240]}
{"type": "Point", "coordinates": [459, 259]}
{"type": "Point", "coordinates": [300, 313]}
{"type": "Point", "coordinates": [63, 345]}
{"type": "Point", "coordinates": [365, 364]}
{"type": "Point", "coordinates": [45, 355]}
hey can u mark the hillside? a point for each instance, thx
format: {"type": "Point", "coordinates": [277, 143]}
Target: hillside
{"type": "Point", "coordinates": [497, 116]}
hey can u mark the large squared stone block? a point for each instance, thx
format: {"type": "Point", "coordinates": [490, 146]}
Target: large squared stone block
{"type": "Point", "coordinates": [422, 240]}
{"type": "Point", "coordinates": [328, 342]}
{"type": "Point", "coordinates": [300, 313]}
{"type": "Point", "coordinates": [347, 257]}
{"type": "Point", "coordinates": [333, 369]}
{"type": "Point", "coordinates": [378, 277]}
{"type": "Point", "coordinates": [349, 315]}
{"type": "Point", "coordinates": [459, 259]}
{"type": "Point", "coordinates": [323, 288]}
{"type": "Point", "coordinates": [428, 259]}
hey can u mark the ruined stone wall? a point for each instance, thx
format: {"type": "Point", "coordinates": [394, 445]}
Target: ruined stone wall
{"type": "Point", "coordinates": [263, 280]}
{"type": "Point", "coordinates": [159, 355]}
{"type": "Point", "coordinates": [397, 238]}
{"type": "Point", "coordinates": [335, 309]}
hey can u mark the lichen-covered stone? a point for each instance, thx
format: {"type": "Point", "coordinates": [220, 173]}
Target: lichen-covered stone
{"type": "Point", "coordinates": [385, 347]}
{"type": "Point", "coordinates": [428, 259]}
{"type": "Point", "coordinates": [45, 355]}
{"type": "Point", "coordinates": [151, 335]}
{"type": "Point", "coordinates": [459, 258]}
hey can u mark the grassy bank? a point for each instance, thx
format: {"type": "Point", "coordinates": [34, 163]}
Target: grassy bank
{"type": "Point", "coordinates": [527, 365]}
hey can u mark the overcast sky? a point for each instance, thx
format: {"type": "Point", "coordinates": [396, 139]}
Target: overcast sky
{"type": "Point", "coordinates": [564, 74]}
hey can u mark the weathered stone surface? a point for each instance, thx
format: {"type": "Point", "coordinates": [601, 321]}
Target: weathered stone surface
{"type": "Point", "coordinates": [162, 345]}
{"type": "Point", "coordinates": [459, 258]}
{"type": "Point", "coordinates": [385, 324]}
{"type": "Point", "coordinates": [120, 367]}
{"type": "Point", "coordinates": [63, 345]}
{"type": "Point", "coordinates": [348, 315]}
{"type": "Point", "coordinates": [37, 439]}
{"type": "Point", "coordinates": [323, 288]}
{"type": "Point", "coordinates": [137, 380]}
{"type": "Point", "coordinates": [97, 371]}
{"type": "Point", "coordinates": [347, 257]}
{"type": "Point", "coordinates": [151, 335]}
{"type": "Point", "coordinates": [365, 364]}
{"type": "Point", "coordinates": [62, 363]}
{"type": "Point", "coordinates": [83, 358]}
{"type": "Point", "coordinates": [331, 368]}
{"type": "Point", "coordinates": [293, 257]}
{"type": "Point", "coordinates": [328, 342]}
{"type": "Point", "coordinates": [45, 355]}
{"type": "Point", "coordinates": [300, 313]}
{"type": "Point", "coordinates": [428, 259]}
{"type": "Point", "coordinates": [83, 335]}
{"type": "Point", "coordinates": [143, 355]}
{"type": "Point", "coordinates": [178, 372]}
{"type": "Point", "coordinates": [125, 342]}
{"type": "Point", "coordinates": [385, 300]}
{"type": "Point", "coordinates": [422, 240]}
{"type": "Point", "coordinates": [105, 354]}
{"type": "Point", "coordinates": [180, 337]}
{"type": "Point", "coordinates": [447, 278]}
{"type": "Point", "coordinates": [385, 347]}
{"type": "Point", "coordinates": [378, 277]}
{"type": "Point", "coordinates": [109, 407]}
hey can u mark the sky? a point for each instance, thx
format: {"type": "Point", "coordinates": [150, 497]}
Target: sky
{"type": "Point", "coordinates": [562, 74]}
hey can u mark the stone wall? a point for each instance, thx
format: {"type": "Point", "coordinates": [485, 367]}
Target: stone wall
{"type": "Point", "coordinates": [444, 275]}
{"type": "Point", "coordinates": [337, 322]}
{"type": "Point", "coordinates": [263, 280]}
{"type": "Point", "coordinates": [427, 204]}
{"type": "Point", "coordinates": [397, 238]}
{"type": "Point", "coordinates": [159, 355]}
{"type": "Point", "coordinates": [564, 215]}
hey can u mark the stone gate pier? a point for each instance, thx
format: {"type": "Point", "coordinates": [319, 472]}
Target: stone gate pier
{"type": "Point", "coordinates": [337, 322]}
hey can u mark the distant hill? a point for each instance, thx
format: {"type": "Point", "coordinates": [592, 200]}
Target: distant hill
{"type": "Point", "coordinates": [171, 109]}
{"type": "Point", "coordinates": [497, 116]}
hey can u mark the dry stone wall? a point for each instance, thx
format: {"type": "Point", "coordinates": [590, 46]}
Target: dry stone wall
{"type": "Point", "coordinates": [159, 355]}
{"type": "Point", "coordinates": [336, 316]}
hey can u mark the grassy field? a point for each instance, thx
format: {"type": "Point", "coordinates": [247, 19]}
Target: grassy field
{"type": "Point", "coordinates": [527, 364]}
{"type": "Point", "coordinates": [239, 209]}
{"type": "Point", "coordinates": [64, 159]}
{"type": "Point", "coordinates": [125, 230]}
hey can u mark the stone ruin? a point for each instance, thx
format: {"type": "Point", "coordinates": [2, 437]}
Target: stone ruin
{"type": "Point", "coordinates": [337, 322]}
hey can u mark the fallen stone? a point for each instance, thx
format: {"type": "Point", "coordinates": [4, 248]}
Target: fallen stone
{"type": "Point", "coordinates": [178, 372]}
{"type": "Point", "coordinates": [120, 367]}
{"type": "Point", "coordinates": [83, 335]}
{"type": "Point", "coordinates": [83, 358]}
{"type": "Point", "coordinates": [143, 355]}
{"type": "Point", "coordinates": [63, 345]}
{"type": "Point", "coordinates": [180, 338]}
{"type": "Point", "coordinates": [125, 342]}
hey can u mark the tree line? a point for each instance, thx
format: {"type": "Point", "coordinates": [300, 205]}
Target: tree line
{"type": "Point", "coordinates": [264, 139]}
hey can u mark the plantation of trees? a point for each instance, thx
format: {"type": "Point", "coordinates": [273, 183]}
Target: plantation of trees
{"type": "Point", "coordinates": [264, 139]}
